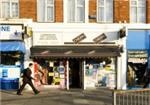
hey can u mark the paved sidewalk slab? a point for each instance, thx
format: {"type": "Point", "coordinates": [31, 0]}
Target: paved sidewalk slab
{"type": "Point", "coordinates": [58, 97]}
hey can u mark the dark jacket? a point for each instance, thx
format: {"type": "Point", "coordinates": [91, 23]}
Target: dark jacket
{"type": "Point", "coordinates": [27, 74]}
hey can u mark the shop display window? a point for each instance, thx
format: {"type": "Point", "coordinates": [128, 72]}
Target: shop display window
{"type": "Point", "coordinates": [11, 58]}
{"type": "Point", "coordinates": [53, 71]}
{"type": "Point", "coordinates": [136, 66]}
{"type": "Point", "coordinates": [101, 73]}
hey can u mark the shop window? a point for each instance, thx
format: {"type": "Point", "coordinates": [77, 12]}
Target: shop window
{"type": "Point", "coordinates": [137, 65]}
{"type": "Point", "coordinates": [105, 11]}
{"type": "Point", "coordinates": [75, 11]}
{"type": "Point", "coordinates": [52, 72]}
{"type": "Point", "coordinates": [101, 73]}
{"type": "Point", "coordinates": [45, 10]}
{"type": "Point", "coordinates": [14, 56]}
{"type": "Point", "coordinates": [138, 11]}
{"type": "Point", "coordinates": [9, 8]}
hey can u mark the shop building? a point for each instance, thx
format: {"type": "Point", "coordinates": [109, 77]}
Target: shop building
{"type": "Point", "coordinates": [81, 56]}
{"type": "Point", "coordinates": [138, 54]}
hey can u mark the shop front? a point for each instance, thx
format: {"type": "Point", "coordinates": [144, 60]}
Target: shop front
{"type": "Point", "coordinates": [12, 50]}
{"type": "Point", "coordinates": [78, 56]}
{"type": "Point", "coordinates": [12, 58]}
{"type": "Point", "coordinates": [77, 66]}
{"type": "Point", "coordinates": [137, 57]}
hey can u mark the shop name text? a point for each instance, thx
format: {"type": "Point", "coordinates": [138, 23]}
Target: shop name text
{"type": "Point", "coordinates": [5, 28]}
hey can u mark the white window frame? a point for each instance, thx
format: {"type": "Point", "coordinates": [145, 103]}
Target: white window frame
{"type": "Point", "coordinates": [104, 6]}
{"type": "Point", "coordinates": [76, 6]}
{"type": "Point", "coordinates": [10, 6]}
{"type": "Point", "coordinates": [137, 9]}
{"type": "Point", "coordinates": [46, 9]}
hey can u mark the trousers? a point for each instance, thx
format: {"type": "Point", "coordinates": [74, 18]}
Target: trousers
{"type": "Point", "coordinates": [27, 81]}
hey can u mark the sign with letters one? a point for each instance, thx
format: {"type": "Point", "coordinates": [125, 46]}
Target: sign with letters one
{"type": "Point", "coordinates": [11, 31]}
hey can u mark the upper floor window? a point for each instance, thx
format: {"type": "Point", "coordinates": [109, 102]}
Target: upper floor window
{"type": "Point", "coordinates": [9, 8]}
{"type": "Point", "coordinates": [75, 11]}
{"type": "Point", "coordinates": [138, 11]}
{"type": "Point", "coordinates": [104, 10]}
{"type": "Point", "coordinates": [45, 10]}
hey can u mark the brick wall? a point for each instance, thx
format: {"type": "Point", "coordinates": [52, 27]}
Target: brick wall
{"type": "Point", "coordinates": [121, 11]}
{"type": "Point", "coordinates": [92, 10]}
{"type": "Point", "coordinates": [28, 9]}
{"type": "Point", "coordinates": [148, 11]}
{"type": "Point", "coordinates": [116, 11]}
{"type": "Point", "coordinates": [58, 10]}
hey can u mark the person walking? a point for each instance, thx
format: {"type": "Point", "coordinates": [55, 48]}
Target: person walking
{"type": "Point", "coordinates": [27, 79]}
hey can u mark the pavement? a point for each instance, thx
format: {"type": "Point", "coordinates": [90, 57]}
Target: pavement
{"type": "Point", "coordinates": [99, 96]}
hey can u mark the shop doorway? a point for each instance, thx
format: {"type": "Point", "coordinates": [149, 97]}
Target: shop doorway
{"type": "Point", "coordinates": [75, 73]}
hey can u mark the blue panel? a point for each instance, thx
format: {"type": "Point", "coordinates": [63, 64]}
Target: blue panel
{"type": "Point", "coordinates": [138, 40]}
{"type": "Point", "coordinates": [9, 84]}
{"type": "Point", "coordinates": [12, 46]}
{"type": "Point", "coordinates": [148, 39]}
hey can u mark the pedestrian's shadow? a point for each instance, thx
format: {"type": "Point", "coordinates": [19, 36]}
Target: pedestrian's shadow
{"type": "Point", "coordinates": [12, 92]}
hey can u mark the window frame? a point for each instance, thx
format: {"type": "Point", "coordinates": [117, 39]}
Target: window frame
{"type": "Point", "coordinates": [10, 8]}
{"type": "Point", "coordinates": [104, 16]}
{"type": "Point", "coordinates": [46, 11]}
{"type": "Point", "coordinates": [137, 10]}
{"type": "Point", "coordinates": [76, 5]}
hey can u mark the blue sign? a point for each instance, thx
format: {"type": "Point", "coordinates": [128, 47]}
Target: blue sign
{"type": "Point", "coordinates": [138, 39]}
{"type": "Point", "coordinates": [61, 69]}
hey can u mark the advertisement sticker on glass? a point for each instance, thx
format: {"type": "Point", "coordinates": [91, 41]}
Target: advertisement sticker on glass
{"type": "Point", "coordinates": [62, 76]}
{"type": "Point", "coordinates": [61, 70]}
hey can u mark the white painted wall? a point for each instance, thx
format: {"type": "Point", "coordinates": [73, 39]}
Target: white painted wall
{"type": "Point", "coordinates": [61, 33]}
{"type": "Point", "coordinates": [122, 68]}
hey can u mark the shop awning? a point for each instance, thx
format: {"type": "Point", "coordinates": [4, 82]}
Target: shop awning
{"type": "Point", "coordinates": [74, 51]}
{"type": "Point", "coordinates": [6, 46]}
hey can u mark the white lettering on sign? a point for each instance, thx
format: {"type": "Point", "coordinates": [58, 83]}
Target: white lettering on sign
{"type": "Point", "coordinates": [99, 38]}
{"type": "Point", "coordinates": [79, 38]}
{"type": "Point", "coordinates": [137, 54]}
{"type": "Point", "coordinates": [5, 28]}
